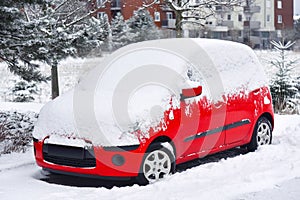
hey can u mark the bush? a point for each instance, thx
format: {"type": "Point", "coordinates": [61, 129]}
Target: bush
{"type": "Point", "coordinates": [24, 91]}
{"type": "Point", "coordinates": [16, 131]}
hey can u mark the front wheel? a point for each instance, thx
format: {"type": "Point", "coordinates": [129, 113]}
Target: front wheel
{"type": "Point", "coordinates": [262, 134]}
{"type": "Point", "coordinates": [158, 162]}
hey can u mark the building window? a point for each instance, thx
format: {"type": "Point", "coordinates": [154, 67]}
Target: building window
{"type": "Point", "coordinates": [169, 15]}
{"type": "Point", "coordinates": [240, 33]}
{"type": "Point", "coordinates": [268, 18]}
{"type": "Point", "coordinates": [100, 3]}
{"type": "Point", "coordinates": [268, 4]}
{"type": "Point", "coordinates": [101, 15]}
{"type": "Point", "coordinates": [279, 19]}
{"type": "Point", "coordinates": [279, 4]}
{"type": "Point", "coordinates": [240, 17]}
{"type": "Point", "coordinates": [115, 4]}
{"type": "Point", "coordinates": [265, 34]}
{"type": "Point", "coordinates": [157, 16]}
{"type": "Point", "coordinates": [218, 8]}
{"type": "Point", "coordinates": [228, 17]}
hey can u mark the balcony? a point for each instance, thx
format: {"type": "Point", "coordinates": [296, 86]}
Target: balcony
{"type": "Point", "coordinates": [228, 23]}
{"type": "Point", "coordinates": [220, 9]}
{"type": "Point", "coordinates": [219, 28]}
{"type": "Point", "coordinates": [169, 23]}
{"type": "Point", "coordinates": [252, 9]}
{"type": "Point", "coordinates": [252, 24]}
{"type": "Point", "coordinates": [115, 5]}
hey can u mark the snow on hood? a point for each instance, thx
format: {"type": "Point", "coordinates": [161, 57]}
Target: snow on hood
{"type": "Point", "coordinates": [132, 88]}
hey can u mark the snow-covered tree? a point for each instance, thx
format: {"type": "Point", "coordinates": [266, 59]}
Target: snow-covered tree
{"type": "Point", "coordinates": [16, 131]}
{"type": "Point", "coordinates": [61, 28]}
{"type": "Point", "coordinates": [15, 36]}
{"type": "Point", "coordinates": [106, 33]}
{"type": "Point", "coordinates": [47, 32]}
{"type": "Point", "coordinates": [119, 31]}
{"type": "Point", "coordinates": [142, 27]}
{"type": "Point", "coordinates": [284, 85]}
{"type": "Point", "coordinates": [24, 91]}
{"type": "Point", "coordinates": [192, 11]}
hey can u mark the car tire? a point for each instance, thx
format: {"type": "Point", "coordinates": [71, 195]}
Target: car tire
{"type": "Point", "coordinates": [158, 162]}
{"type": "Point", "coordinates": [262, 134]}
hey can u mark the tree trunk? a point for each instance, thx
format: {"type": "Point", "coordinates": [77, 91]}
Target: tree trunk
{"type": "Point", "coordinates": [178, 24]}
{"type": "Point", "coordinates": [54, 81]}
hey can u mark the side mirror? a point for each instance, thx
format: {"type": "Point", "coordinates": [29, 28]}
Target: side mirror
{"type": "Point", "coordinates": [190, 92]}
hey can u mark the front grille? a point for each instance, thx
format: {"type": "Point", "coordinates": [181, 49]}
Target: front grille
{"type": "Point", "coordinates": [69, 156]}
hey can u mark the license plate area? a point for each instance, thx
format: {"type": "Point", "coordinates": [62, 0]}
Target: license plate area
{"type": "Point", "coordinates": [64, 151]}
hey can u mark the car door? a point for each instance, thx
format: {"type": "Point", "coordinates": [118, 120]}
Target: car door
{"type": "Point", "coordinates": [240, 112]}
{"type": "Point", "coordinates": [201, 127]}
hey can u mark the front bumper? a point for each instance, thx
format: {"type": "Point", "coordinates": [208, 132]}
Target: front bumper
{"type": "Point", "coordinates": [110, 162]}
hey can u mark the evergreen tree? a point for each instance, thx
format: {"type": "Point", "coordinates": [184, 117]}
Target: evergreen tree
{"type": "Point", "coordinates": [119, 30]}
{"type": "Point", "coordinates": [105, 33]}
{"type": "Point", "coordinates": [14, 37]}
{"type": "Point", "coordinates": [47, 32]}
{"type": "Point", "coordinates": [24, 91]}
{"type": "Point", "coordinates": [284, 85]}
{"type": "Point", "coordinates": [142, 27]}
{"type": "Point", "coordinates": [60, 31]}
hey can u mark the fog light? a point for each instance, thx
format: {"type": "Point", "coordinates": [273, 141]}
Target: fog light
{"type": "Point", "coordinates": [118, 160]}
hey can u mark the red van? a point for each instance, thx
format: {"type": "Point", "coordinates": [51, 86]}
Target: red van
{"type": "Point", "coordinates": [152, 105]}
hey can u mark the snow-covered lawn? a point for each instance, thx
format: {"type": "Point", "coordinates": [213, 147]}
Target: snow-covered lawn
{"type": "Point", "coordinates": [272, 172]}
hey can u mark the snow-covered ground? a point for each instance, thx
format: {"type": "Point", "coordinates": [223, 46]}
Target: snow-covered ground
{"type": "Point", "coordinates": [21, 107]}
{"type": "Point", "coordinates": [272, 172]}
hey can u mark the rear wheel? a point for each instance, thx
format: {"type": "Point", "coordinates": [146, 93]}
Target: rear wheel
{"type": "Point", "coordinates": [157, 163]}
{"type": "Point", "coordinates": [262, 134]}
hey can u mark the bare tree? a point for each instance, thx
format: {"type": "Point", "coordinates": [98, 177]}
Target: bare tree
{"type": "Point", "coordinates": [192, 11]}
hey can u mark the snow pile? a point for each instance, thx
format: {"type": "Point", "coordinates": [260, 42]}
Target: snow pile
{"type": "Point", "coordinates": [16, 131]}
{"type": "Point", "coordinates": [132, 88]}
{"type": "Point", "coordinates": [56, 117]}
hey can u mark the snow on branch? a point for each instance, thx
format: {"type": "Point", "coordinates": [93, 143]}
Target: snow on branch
{"type": "Point", "coordinates": [280, 46]}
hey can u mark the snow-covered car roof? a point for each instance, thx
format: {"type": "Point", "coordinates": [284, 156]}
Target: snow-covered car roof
{"type": "Point", "coordinates": [133, 86]}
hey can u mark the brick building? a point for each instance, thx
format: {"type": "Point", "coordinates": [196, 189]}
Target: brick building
{"type": "Point", "coordinates": [284, 14]}
{"type": "Point", "coordinates": [162, 15]}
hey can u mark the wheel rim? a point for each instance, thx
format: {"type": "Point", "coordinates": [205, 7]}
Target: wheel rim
{"type": "Point", "coordinates": [263, 134]}
{"type": "Point", "coordinates": [157, 164]}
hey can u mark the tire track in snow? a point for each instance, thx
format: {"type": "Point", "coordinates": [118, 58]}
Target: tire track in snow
{"type": "Point", "coordinates": [16, 166]}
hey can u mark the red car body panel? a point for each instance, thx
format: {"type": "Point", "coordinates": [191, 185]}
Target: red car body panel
{"type": "Point", "coordinates": [207, 129]}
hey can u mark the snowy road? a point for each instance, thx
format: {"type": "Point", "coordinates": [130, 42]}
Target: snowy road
{"type": "Point", "coordinates": [272, 172]}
